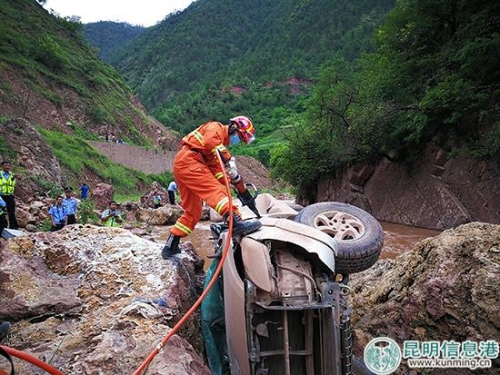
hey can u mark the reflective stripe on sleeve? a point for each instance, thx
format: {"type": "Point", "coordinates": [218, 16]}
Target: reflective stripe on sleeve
{"type": "Point", "coordinates": [220, 148]}
{"type": "Point", "coordinates": [221, 205]}
{"type": "Point", "coordinates": [183, 228]}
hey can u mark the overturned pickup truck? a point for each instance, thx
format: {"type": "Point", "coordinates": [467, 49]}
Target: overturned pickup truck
{"type": "Point", "coordinates": [279, 305]}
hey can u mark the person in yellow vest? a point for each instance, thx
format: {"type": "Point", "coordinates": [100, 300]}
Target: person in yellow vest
{"type": "Point", "coordinates": [112, 217]}
{"type": "Point", "coordinates": [7, 185]}
{"type": "Point", "coordinates": [156, 200]}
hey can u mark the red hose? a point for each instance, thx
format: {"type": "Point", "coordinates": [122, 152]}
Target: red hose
{"type": "Point", "coordinates": [28, 358]}
{"type": "Point", "coordinates": [193, 308]}
{"type": "Point", "coordinates": [53, 371]}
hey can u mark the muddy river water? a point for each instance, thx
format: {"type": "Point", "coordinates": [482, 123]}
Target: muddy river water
{"type": "Point", "coordinates": [401, 238]}
{"type": "Point", "coordinates": [397, 239]}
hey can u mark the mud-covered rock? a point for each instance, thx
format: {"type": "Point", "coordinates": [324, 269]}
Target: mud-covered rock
{"type": "Point", "coordinates": [446, 288]}
{"type": "Point", "coordinates": [98, 300]}
{"type": "Point", "coordinates": [102, 194]}
{"type": "Point", "coordinates": [165, 215]}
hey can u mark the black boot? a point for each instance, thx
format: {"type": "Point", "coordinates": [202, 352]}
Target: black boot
{"type": "Point", "coordinates": [242, 227]}
{"type": "Point", "coordinates": [171, 247]}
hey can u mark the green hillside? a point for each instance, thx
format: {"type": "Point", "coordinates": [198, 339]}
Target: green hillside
{"type": "Point", "coordinates": [50, 56]}
{"type": "Point", "coordinates": [219, 58]}
{"type": "Point", "coordinates": [50, 76]}
{"type": "Point", "coordinates": [108, 37]}
{"type": "Point", "coordinates": [338, 81]}
{"type": "Point", "coordinates": [434, 75]}
{"type": "Point", "coordinates": [328, 84]}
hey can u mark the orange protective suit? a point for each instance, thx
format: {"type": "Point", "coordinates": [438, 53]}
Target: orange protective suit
{"type": "Point", "coordinates": [199, 176]}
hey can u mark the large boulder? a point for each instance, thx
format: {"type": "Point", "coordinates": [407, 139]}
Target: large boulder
{"type": "Point", "coordinates": [155, 187]}
{"type": "Point", "coordinates": [165, 215]}
{"type": "Point", "coordinates": [24, 218]}
{"type": "Point", "coordinates": [34, 213]}
{"type": "Point", "coordinates": [446, 288]}
{"type": "Point", "coordinates": [102, 194]}
{"type": "Point", "coordinates": [98, 300]}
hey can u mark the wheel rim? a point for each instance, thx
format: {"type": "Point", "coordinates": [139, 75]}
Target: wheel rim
{"type": "Point", "coordinates": [340, 225]}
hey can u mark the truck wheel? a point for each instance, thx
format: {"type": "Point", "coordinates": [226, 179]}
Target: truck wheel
{"type": "Point", "coordinates": [358, 234]}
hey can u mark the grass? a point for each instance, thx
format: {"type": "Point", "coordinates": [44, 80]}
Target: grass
{"type": "Point", "coordinates": [75, 155]}
{"type": "Point", "coordinates": [50, 52]}
{"type": "Point", "coordinates": [131, 197]}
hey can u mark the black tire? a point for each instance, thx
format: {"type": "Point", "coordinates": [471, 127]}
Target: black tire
{"type": "Point", "coordinates": [358, 234]}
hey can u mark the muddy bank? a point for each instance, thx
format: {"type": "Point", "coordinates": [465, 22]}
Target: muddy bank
{"type": "Point", "coordinates": [438, 192]}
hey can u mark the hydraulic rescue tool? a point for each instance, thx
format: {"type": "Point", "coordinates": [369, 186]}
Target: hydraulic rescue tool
{"type": "Point", "coordinates": [242, 189]}
{"type": "Point", "coordinates": [244, 195]}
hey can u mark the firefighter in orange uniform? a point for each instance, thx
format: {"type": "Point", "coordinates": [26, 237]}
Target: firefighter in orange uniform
{"type": "Point", "coordinates": [200, 178]}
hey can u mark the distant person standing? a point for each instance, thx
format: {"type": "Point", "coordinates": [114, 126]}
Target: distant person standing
{"type": "Point", "coordinates": [7, 185]}
{"type": "Point", "coordinates": [84, 190]}
{"type": "Point", "coordinates": [3, 219]}
{"type": "Point", "coordinates": [70, 205]}
{"type": "Point", "coordinates": [156, 200]}
{"type": "Point", "coordinates": [57, 214]}
{"type": "Point", "coordinates": [172, 188]}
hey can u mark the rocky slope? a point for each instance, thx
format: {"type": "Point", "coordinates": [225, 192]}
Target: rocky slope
{"type": "Point", "coordinates": [98, 300]}
{"type": "Point", "coordinates": [33, 155]}
{"type": "Point", "coordinates": [438, 192]}
{"type": "Point", "coordinates": [102, 298]}
{"type": "Point", "coordinates": [446, 288]}
{"type": "Point", "coordinates": [51, 77]}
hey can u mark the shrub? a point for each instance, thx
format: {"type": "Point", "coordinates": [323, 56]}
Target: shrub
{"type": "Point", "coordinates": [86, 212]}
{"type": "Point", "coordinates": [49, 53]}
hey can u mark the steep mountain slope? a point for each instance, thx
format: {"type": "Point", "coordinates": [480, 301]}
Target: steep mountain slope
{"type": "Point", "coordinates": [55, 95]}
{"type": "Point", "coordinates": [50, 76]}
{"type": "Point", "coordinates": [175, 55]}
{"type": "Point", "coordinates": [215, 57]}
{"type": "Point", "coordinates": [109, 37]}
